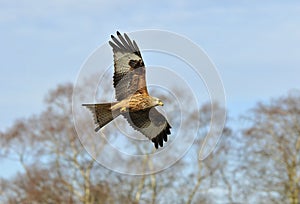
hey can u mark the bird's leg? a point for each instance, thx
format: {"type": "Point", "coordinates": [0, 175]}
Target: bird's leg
{"type": "Point", "coordinates": [123, 109]}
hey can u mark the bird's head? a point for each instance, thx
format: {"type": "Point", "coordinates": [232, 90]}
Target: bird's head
{"type": "Point", "coordinates": [157, 102]}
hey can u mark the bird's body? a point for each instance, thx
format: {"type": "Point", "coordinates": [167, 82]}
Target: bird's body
{"type": "Point", "coordinates": [136, 102]}
{"type": "Point", "coordinates": [133, 100]}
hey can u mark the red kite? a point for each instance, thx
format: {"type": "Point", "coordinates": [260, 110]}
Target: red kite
{"type": "Point", "coordinates": [133, 100]}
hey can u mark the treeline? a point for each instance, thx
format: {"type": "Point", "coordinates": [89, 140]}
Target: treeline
{"type": "Point", "coordinates": [256, 163]}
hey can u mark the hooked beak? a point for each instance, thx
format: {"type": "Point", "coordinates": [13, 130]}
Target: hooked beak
{"type": "Point", "coordinates": [160, 103]}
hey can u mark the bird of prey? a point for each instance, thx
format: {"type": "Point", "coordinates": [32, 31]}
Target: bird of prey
{"type": "Point", "coordinates": [133, 100]}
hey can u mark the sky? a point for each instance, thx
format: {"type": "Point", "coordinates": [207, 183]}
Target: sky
{"type": "Point", "coordinates": [255, 45]}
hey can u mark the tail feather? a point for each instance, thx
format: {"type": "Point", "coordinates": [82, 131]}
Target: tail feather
{"type": "Point", "coordinates": [102, 113]}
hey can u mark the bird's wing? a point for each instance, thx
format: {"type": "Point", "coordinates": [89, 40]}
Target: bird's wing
{"type": "Point", "coordinates": [129, 73]}
{"type": "Point", "coordinates": [150, 123]}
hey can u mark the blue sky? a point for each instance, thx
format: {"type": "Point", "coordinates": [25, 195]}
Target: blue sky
{"type": "Point", "coordinates": [254, 44]}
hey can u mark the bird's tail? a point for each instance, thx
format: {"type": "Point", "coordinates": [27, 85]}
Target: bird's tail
{"type": "Point", "coordinates": [102, 113]}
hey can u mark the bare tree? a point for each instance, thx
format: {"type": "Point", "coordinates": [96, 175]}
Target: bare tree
{"type": "Point", "coordinates": [57, 169]}
{"type": "Point", "coordinates": [210, 182]}
{"type": "Point", "coordinates": [270, 171]}
{"type": "Point", "coordinates": [50, 153]}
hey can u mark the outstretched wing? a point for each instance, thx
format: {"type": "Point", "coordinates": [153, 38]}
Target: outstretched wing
{"type": "Point", "coordinates": [129, 74]}
{"type": "Point", "coordinates": [151, 123]}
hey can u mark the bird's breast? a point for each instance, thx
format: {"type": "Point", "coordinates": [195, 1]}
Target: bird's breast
{"type": "Point", "coordinates": [138, 102]}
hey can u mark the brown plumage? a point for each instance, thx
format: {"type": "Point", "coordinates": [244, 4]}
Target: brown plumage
{"type": "Point", "coordinates": [133, 100]}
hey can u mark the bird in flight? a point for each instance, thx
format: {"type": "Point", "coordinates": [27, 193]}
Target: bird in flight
{"type": "Point", "coordinates": [133, 99]}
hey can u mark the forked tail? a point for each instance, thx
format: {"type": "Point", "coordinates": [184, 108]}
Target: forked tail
{"type": "Point", "coordinates": [102, 113]}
